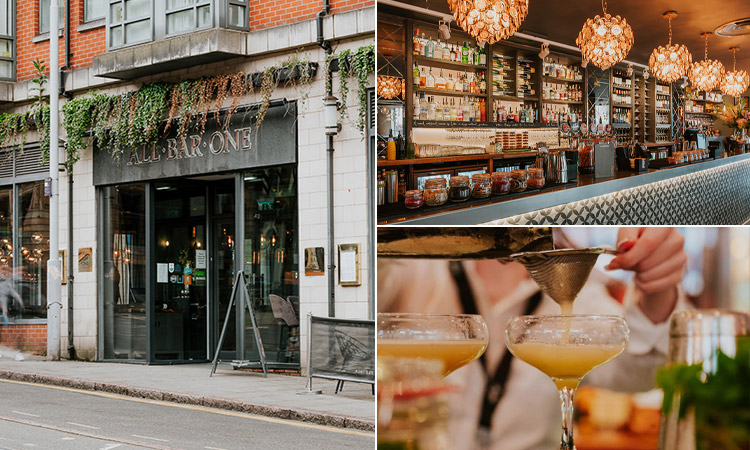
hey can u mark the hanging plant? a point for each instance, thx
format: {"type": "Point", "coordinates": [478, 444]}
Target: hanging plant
{"type": "Point", "coordinates": [363, 65]}
{"type": "Point", "coordinates": [345, 71]}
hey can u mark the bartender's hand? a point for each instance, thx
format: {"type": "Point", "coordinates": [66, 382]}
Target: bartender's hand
{"type": "Point", "coordinates": [657, 257]}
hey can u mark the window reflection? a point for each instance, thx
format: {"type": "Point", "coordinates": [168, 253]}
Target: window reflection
{"type": "Point", "coordinates": [124, 270]}
{"type": "Point", "coordinates": [271, 262]}
{"type": "Point", "coordinates": [33, 238]}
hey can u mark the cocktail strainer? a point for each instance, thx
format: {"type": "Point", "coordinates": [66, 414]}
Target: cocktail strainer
{"type": "Point", "coordinates": [561, 274]}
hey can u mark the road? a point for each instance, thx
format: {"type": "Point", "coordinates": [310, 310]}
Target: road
{"type": "Point", "coordinates": [41, 417]}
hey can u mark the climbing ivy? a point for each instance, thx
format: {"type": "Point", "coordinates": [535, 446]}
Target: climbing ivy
{"type": "Point", "coordinates": [118, 122]}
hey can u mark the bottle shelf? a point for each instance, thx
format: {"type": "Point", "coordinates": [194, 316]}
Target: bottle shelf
{"type": "Point", "coordinates": [561, 102]}
{"type": "Point", "coordinates": [562, 80]}
{"type": "Point", "coordinates": [445, 63]}
{"type": "Point", "coordinates": [447, 93]}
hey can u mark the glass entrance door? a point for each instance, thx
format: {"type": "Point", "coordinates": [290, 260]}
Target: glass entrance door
{"type": "Point", "coordinates": [180, 300]}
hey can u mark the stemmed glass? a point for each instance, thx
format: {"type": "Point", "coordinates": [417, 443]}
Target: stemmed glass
{"type": "Point", "coordinates": [453, 339]}
{"type": "Point", "coordinates": [566, 348]}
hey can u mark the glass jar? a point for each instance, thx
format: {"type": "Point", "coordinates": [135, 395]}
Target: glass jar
{"type": "Point", "coordinates": [459, 190]}
{"type": "Point", "coordinates": [413, 199]}
{"type": "Point", "coordinates": [586, 159]}
{"type": "Point", "coordinates": [481, 186]}
{"type": "Point", "coordinates": [500, 183]}
{"type": "Point", "coordinates": [518, 180]}
{"type": "Point", "coordinates": [435, 192]}
{"type": "Point", "coordinates": [535, 178]}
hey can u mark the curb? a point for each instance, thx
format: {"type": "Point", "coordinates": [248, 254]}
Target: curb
{"type": "Point", "coordinates": [300, 415]}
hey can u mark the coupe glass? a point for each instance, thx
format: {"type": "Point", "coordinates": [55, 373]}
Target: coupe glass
{"type": "Point", "coordinates": [453, 339]}
{"type": "Point", "coordinates": [566, 348]}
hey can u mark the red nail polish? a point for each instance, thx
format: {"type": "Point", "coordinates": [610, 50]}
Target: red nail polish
{"type": "Point", "coordinates": [625, 246]}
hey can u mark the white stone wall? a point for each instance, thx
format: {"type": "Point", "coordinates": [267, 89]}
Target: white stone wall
{"type": "Point", "coordinates": [84, 236]}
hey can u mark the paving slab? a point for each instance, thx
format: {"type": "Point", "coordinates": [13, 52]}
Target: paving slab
{"type": "Point", "coordinates": [282, 396]}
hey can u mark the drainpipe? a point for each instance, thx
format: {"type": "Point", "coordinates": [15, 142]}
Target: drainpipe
{"type": "Point", "coordinates": [68, 53]}
{"type": "Point", "coordinates": [325, 45]}
{"type": "Point", "coordinates": [68, 95]}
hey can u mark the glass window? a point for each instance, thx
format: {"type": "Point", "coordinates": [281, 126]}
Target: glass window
{"type": "Point", "coordinates": [6, 15]}
{"type": "Point", "coordinates": [124, 271]}
{"type": "Point", "coordinates": [44, 19]}
{"type": "Point", "coordinates": [130, 22]}
{"type": "Point", "coordinates": [94, 9]}
{"type": "Point", "coordinates": [237, 15]}
{"type": "Point", "coordinates": [270, 252]}
{"type": "Point", "coordinates": [33, 238]}
{"type": "Point", "coordinates": [186, 15]}
{"type": "Point", "coordinates": [6, 69]}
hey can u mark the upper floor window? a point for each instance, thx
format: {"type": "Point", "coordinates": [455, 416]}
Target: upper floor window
{"type": "Point", "coordinates": [136, 21]}
{"type": "Point", "coordinates": [94, 9]}
{"type": "Point", "coordinates": [44, 18]}
{"type": "Point", "coordinates": [7, 40]}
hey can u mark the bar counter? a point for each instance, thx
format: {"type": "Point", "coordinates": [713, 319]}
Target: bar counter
{"type": "Point", "coordinates": [707, 192]}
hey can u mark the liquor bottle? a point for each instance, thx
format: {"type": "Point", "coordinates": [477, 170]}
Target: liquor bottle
{"type": "Point", "coordinates": [430, 52]}
{"type": "Point", "coordinates": [466, 110]}
{"type": "Point", "coordinates": [416, 43]}
{"type": "Point", "coordinates": [450, 85]}
{"type": "Point", "coordinates": [438, 54]}
{"type": "Point", "coordinates": [446, 110]}
{"type": "Point", "coordinates": [460, 111]}
{"type": "Point", "coordinates": [417, 107]}
{"type": "Point", "coordinates": [423, 46]}
{"type": "Point", "coordinates": [430, 80]}
{"type": "Point", "coordinates": [482, 111]}
{"type": "Point", "coordinates": [423, 78]}
{"type": "Point", "coordinates": [440, 81]}
{"type": "Point", "coordinates": [482, 57]}
{"type": "Point", "coordinates": [431, 109]}
{"type": "Point", "coordinates": [453, 110]}
{"type": "Point", "coordinates": [401, 146]}
{"type": "Point", "coordinates": [447, 51]}
{"type": "Point", "coordinates": [459, 86]}
{"type": "Point", "coordinates": [482, 84]}
{"type": "Point", "coordinates": [465, 54]}
{"type": "Point", "coordinates": [438, 111]}
{"type": "Point", "coordinates": [415, 76]}
{"type": "Point", "coordinates": [422, 107]}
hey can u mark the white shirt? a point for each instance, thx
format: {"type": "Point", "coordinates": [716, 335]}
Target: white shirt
{"type": "Point", "coordinates": [528, 416]}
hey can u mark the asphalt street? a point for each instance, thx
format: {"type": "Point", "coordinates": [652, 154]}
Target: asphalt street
{"type": "Point", "coordinates": [35, 416]}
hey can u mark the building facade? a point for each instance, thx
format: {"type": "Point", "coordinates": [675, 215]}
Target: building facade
{"type": "Point", "coordinates": [161, 232]}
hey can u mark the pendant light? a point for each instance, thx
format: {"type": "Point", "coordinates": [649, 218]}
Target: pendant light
{"type": "Point", "coordinates": [489, 20]}
{"type": "Point", "coordinates": [735, 82]}
{"type": "Point", "coordinates": [671, 62]}
{"type": "Point", "coordinates": [605, 40]}
{"type": "Point", "coordinates": [706, 75]}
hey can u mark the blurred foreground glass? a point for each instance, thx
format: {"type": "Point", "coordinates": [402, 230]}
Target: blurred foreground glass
{"type": "Point", "coordinates": [566, 348]}
{"type": "Point", "coordinates": [706, 391]}
{"type": "Point", "coordinates": [453, 339]}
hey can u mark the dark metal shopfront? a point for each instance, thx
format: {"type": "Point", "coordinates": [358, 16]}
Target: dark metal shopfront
{"type": "Point", "coordinates": [178, 221]}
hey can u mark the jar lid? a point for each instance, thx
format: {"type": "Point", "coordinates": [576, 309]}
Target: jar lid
{"type": "Point", "coordinates": [413, 193]}
{"type": "Point", "coordinates": [500, 174]}
{"type": "Point", "coordinates": [517, 172]}
{"type": "Point", "coordinates": [480, 176]}
{"type": "Point", "coordinates": [460, 179]}
{"type": "Point", "coordinates": [536, 170]}
{"type": "Point", "coordinates": [434, 183]}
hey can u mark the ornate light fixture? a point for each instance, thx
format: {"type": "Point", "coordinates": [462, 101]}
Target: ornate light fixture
{"type": "Point", "coordinates": [706, 75]}
{"type": "Point", "coordinates": [489, 20]}
{"type": "Point", "coordinates": [389, 87]}
{"type": "Point", "coordinates": [735, 82]}
{"type": "Point", "coordinates": [605, 40]}
{"type": "Point", "coordinates": [671, 62]}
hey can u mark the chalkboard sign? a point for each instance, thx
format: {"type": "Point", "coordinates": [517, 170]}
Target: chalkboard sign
{"type": "Point", "coordinates": [341, 349]}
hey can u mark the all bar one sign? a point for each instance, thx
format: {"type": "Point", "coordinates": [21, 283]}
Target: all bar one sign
{"type": "Point", "coordinates": [240, 145]}
{"type": "Point", "coordinates": [195, 146]}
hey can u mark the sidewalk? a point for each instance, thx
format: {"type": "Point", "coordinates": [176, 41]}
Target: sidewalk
{"type": "Point", "coordinates": [275, 396]}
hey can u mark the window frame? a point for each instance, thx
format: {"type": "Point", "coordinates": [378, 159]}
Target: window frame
{"type": "Point", "coordinates": [12, 38]}
{"type": "Point", "coordinates": [159, 13]}
{"type": "Point", "coordinates": [86, 18]}
{"type": "Point", "coordinates": [61, 21]}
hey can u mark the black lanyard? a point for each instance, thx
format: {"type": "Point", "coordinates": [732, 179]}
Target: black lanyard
{"type": "Point", "coordinates": [495, 387]}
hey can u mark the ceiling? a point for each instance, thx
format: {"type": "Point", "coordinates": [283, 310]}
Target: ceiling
{"type": "Point", "coordinates": [560, 21]}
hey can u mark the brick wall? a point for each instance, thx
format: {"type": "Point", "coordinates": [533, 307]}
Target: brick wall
{"type": "Point", "coordinates": [25, 337]}
{"type": "Point", "coordinates": [272, 13]}
{"type": "Point", "coordinates": [83, 45]}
